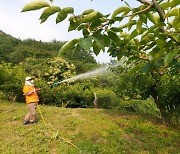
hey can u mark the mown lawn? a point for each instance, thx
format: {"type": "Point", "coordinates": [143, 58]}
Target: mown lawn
{"type": "Point", "coordinates": [91, 130]}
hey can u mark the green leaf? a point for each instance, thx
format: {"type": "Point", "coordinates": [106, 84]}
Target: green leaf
{"type": "Point", "coordinates": [96, 48]}
{"type": "Point", "coordinates": [67, 46]}
{"type": "Point", "coordinates": [173, 12]}
{"type": "Point", "coordinates": [159, 53]}
{"type": "Point", "coordinates": [130, 24]}
{"type": "Point", "coordinates": [154, 51]}
{"type": "Point", "coordinates": [105, 39]}
{"type": "Point", "coordinates": [61, 16]}
{"type": "Point", "coordinates": [131, 18]}
{"type": "Point", "coordinates": [120, 10]}
{"type": "Point", "coordinates": [35, 5]}
{"type": "Point", "coordinates": [48, 12]}
{"type": "Point", "coordinates": [124, 35]}
{"type": "Point", "coordinates": [123, 26]}
{"type": "Point", "coordinates": [85, 31]}
{"type": "Point", "coordinates": [85, 43]}
{"type": "Point", "coordinates": [114, 37]}
{"type": "Point", "coordinates": [68, 10]}
{"type": "Point", "coordinates": [73, 25]}
{"type": "Point", "coordinates": [127, 5]}
{"type": "Point", "coordinates": [99, 43]}
{"type": "Point", "coordinates": [139, 26]}
{"type": "Point", "coordinates": [160, 43]}
{"type": "Point", "coordinates": [133, 34]}
{"type": "Point", "coordinates": [165, 5]}
{"type": "Point", "coordinates": [176, 22]}
{"type": "Point", "coordinates": [151, 17]}
{"type": "Point", "coordinates": [81, 26]}
{"type": "Point", "coordinates": [147, 67]}
{"type": "Point", "coordinates": [95, 24]}
{"type": "Point", "coordinates": [143, 18]}
{"type": "Point", "coordinates": [118, 19]}
{"type": "Point", "coordinates": [88, 11]}
{"type": "Point", "coordinates": [170, 56]}
{"type": "Point", "coordinates": [157, 64]}
{"type": "Point", "coordinates": [120, 54]}
{"type": "Point", "coordinates": [150, 30]}
{"type": "Point", "coordinates": [126, 12]}
{"type": "Point", "coordinates": [91, 17]}
{"type": "Point", "coordinates": [97, 33]}
{"type": "Point", "coordinates": [174, 3]}
{"type": "Point", "coordinates": [55, 135]}
{"type": "Point", "coordinates": [116, 29]}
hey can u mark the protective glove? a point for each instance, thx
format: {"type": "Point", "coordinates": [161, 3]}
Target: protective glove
{"type": "Point", "coordinates": [37, 90]}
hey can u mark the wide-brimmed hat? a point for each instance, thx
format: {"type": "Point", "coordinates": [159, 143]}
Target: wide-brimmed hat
{"type": "Point", "coordinates": [29, 78]}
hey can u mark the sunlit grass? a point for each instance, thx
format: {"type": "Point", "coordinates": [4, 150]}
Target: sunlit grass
{"type": "Point", "coordinates": [91, 130]}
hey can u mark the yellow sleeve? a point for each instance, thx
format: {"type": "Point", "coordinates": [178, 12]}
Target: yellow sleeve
{"type": "Point", "coordinates": [26, 89]}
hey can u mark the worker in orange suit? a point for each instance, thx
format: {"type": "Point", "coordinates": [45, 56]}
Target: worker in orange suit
{"type": "Point", "coordinates": [32, 100]}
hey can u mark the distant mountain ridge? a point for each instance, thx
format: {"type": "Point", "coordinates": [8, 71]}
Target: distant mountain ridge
{"type": "Point", "coordinates": [15, 50]}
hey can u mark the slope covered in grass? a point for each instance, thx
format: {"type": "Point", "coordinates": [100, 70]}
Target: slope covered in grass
{"type": "Point", "coordinates": [91, 130]}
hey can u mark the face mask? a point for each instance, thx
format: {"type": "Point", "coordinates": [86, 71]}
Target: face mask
{"type": "Point", "coordinates": [32, 81]}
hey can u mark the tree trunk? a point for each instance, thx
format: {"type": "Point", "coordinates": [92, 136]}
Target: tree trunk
{"type": "Point", "coordinates": [12, 98]}
{"type": "Point", "coordinates": [160, 106]}
{"type": "Point", "coordinates": [95, 103]}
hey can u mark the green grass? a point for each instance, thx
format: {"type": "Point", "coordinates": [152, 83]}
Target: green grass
{"type": "Point", "coordinates": [91, 130]}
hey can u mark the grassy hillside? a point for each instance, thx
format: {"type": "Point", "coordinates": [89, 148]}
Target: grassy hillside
{"type": "Point", "coordinates": [91, 130]}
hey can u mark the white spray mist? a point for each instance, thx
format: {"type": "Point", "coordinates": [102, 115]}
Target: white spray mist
{"type": "Point", "coordinates": [90, 74]}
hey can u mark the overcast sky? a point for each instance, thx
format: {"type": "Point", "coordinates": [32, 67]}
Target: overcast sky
{"type": "Point", "coordinates": [27, 25]}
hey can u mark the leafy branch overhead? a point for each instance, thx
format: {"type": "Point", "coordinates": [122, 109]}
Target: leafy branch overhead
{"type": "Point", "coordinates": [152, 30]}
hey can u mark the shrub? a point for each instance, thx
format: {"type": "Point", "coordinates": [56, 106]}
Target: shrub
{"type": "Point", "coordinates": [50, 69]}
{"type": "Point", "coordinates": [107, 98]}
{"type": "Point", "coordinates": [3, 96]}
{"type": "Point", "coordinates": [78, 95]}
{"type": "Point", "coordinates": [12, 80]}
{"type": "Point", "coordinates": [141, 106]}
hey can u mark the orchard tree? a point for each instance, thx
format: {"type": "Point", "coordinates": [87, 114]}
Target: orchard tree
{"type": "Point", "coordinates": [12, 80]}
{"type": "Point", "coordinates": [132, 83]}
{"type": "Point", "coordinates": [51, 70]}
{"type": "Point", "coordinates": [151, 34]}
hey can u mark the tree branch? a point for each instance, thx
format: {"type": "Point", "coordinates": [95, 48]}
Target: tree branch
{"type": "Point", "coordinates": [169, 35]}
{"type": "Point", "coordinates": [145, 2]}
{"type": "Point", "coordinates": [159, 10]}
{"type": "Point", "coordinates": [157, 7]}
{"type": "Point", "coordinates": [138, 12]}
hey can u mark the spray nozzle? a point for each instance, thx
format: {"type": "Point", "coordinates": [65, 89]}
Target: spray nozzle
{"type": "Point", "coordinates": [55, 83]}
